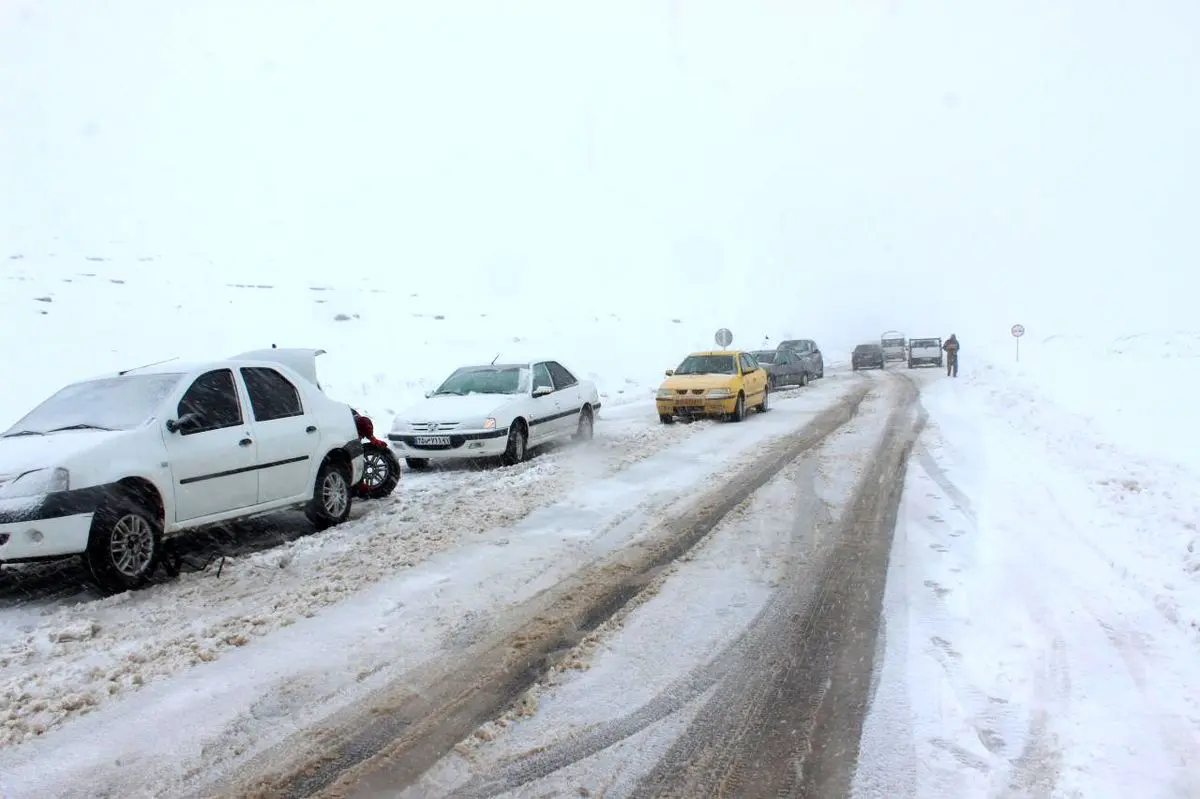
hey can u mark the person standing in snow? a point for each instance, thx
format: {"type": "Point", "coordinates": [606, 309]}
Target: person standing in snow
{"type": "Point", "coordinates": [951, 348]}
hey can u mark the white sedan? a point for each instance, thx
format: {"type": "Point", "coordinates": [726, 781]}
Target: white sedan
{"type": "Point", "coordinates": [106, 468]}
{"type": "Point", "coordinates": [497, 410]}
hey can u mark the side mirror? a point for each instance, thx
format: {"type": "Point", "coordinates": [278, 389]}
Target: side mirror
{"type": "Point", "coordinates": [428, 394]}
{"type": "Point", "coordinates": [542, 391]}
{"type": "Point", "coordinates": [669, 372]}
{"type": "Point", "coordinates": [188, 420]}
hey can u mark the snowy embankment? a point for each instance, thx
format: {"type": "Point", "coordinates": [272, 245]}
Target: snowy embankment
{"type": "Point", "coordinates": [1044, 597]}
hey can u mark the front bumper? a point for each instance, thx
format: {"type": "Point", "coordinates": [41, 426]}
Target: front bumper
{"type": "Point", "coordinates": [703, 406]}
{"type": "Point", "coordinates": [456, 445]}
{"type": "Point", "coordinates": [34, 539]}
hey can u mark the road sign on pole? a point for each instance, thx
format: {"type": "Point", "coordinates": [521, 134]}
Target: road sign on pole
{"type": "Point", "coordinates": [723, 338]}
{"type": "Point", "coordinates": [1017, 332]}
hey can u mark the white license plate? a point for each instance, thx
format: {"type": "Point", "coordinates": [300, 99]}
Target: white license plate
{"type": "Point", "coordinates": [432, 441]}
{"type": "Point", "coordinates": [689, 402]}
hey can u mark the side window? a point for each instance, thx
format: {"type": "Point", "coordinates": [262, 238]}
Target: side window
{"type": "Point", "coordinates": [562, 377]}
{"type": "Point", "coordinates": [748, 364]}
{"type": "Point", "coordinates": [213, 400]}
{"type": "Point", "coordinates": [541, 376]}
{"type": "Point", "coordinates": [782, 358]}
{"type": "Point", "coordinates": [272, 396]}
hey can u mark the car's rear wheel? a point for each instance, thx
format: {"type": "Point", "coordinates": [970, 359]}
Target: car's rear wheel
{"type": "Point", "coordinates": [381, 472]}
{"type": "Point", "coordinates": [518, 441]}
{"type": "Point", "coordinates": [331, 501]}
{"type": "Point", "coordinates": [586, 429]}
{"type": "Point", "coordinates": [765, 405]}
{"type": "Point", "coordinates": [771, 382]}
{"type": "Point", "coordinates": [124, 547]}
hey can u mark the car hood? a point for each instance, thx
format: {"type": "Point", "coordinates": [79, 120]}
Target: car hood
{"type": "Point", "coordinates": [20, 454]}
{"type": "Point", "coordinates": [697, 381]}
{"type": "Point", "coordinates": [452, 407]}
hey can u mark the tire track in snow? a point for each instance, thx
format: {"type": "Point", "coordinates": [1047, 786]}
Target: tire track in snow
{"type": "Point", "coordinates": [400, 735]}
{"type": "Point", "coordinates": [743, 742]}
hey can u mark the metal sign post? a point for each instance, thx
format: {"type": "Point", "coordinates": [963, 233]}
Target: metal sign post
{"type": "Point", "coordinates": [1017, 332]}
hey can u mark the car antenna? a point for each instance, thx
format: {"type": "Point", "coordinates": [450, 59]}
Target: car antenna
{"type": "Point", "coordinates": [147, 365]}
{"type": "Point", "coordinates": [493, 363]}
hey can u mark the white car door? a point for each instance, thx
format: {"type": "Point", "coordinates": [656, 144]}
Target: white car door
{"type": "Point", "coordinates": [212, 453]}
{"type": "Point", "coordinates": [287, 434]}
{"type": "Point", "coordinates": [570, 402]}
{"type": "Point", "coordinates": [545, 422]}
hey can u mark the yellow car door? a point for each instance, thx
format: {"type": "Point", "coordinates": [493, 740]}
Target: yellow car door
{"type": "Point", "coordinates": [754, 379]}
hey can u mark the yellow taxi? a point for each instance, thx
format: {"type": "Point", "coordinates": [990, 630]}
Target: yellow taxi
{"type": "Point", "coordinates": [714, 383]}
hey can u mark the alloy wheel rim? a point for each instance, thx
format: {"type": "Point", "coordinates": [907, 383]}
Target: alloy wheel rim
{"type": "Point", "coordinates": [334, 495]}
{"type": "Point", "coordinates": [131, 545]}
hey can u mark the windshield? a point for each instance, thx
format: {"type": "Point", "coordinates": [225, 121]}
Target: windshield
{"type": "Point", "coordinates": [707, 365]}
{"type": "Point", "coordinates": [764, 356]}
{"type": "Point", "coordinates": [791, 344]}
{"type": "Point", "coordinates": [487, 380]}
{"type": "Point", "coordinates": [111, 403]}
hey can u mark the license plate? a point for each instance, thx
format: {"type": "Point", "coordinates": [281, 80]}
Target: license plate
{"type": "Point", "coordinates": [689, 402]}
{"type": "Point", "coordinates": [432, 441]}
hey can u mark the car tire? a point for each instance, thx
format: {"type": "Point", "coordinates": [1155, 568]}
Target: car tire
{"type": "Point", "coordinates": [332, 498]}
{"type": "Point", "coordinates": [666, 418]}
{"type": "Point", "coordinates": [821, 374]}
{"type": "Point", "coordinates": [123, 529]}
{"type": "Point", "coordinates": [518, 446]}
{"type": "Point", "coordinates": [739, 409]}
{"type": "Point", "coordinates": [417, 464]}
{"type": "Point", "coordinates": [765, 405]}
{"type": "Point", "coordinates": [586, 429]}
{"type": "Point", "coordinates": [771, 383]}
{"type": "Point", "coordinates": [803, 379]}
{"type": "Point", "coordinates": [383, 465]}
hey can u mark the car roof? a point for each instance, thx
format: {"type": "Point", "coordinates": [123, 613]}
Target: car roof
{"type": "Point", "coordinates": [716, 352]}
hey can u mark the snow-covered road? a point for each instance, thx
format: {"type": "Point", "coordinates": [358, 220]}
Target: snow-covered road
{"type": "Point", "coordinates": [282, 638]}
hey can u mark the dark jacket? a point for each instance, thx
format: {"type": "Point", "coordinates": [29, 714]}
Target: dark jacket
{"type": "Point", "coordinates": [951, 345]}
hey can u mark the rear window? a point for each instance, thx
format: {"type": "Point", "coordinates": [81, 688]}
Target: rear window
{"type": "Point", "coordinates": [893, 342]}
{"type": "Point", "coordinates": [865, 348]}
{"type": "Point", "coordinates": [924, 342]}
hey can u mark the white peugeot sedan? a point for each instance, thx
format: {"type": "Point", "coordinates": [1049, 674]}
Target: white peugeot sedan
{"type": "Point", "coordinates": [497, 410]}
{"type": "Point", "coordinates": [105, 468]}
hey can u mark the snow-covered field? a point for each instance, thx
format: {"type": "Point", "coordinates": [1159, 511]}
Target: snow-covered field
{"type": "Point", "coordinates": [1043, 607]}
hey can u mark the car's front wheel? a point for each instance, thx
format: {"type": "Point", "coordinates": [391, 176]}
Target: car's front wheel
{"type": "Point", "coordinates": [518, 441]}
{"type": "Point", "coordinates": [124, 547]}
{"type": "Point", "coordinates": [803, 379]}
{"type": "Point", "coordinates": [739, 409]}
{"type": "Point", "coordinates": [331, 500]}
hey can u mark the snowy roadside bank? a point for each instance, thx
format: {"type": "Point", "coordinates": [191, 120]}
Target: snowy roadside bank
{"type": "Point", "coordinates": [1030, 644]}
{"type": "Point", "coordinates": [254, 696]}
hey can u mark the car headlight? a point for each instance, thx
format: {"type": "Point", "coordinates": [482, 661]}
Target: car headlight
{"type": "Point", "coordinates": [400, 425]}
{"type": "Point", "coordinates": [665, 393]}
{"type": "Point", "coordinates": [717, 393]}
{"type": "Point", "coordinates": [37, 482]}
{"type": "Point", "coordinates": [489, 423]}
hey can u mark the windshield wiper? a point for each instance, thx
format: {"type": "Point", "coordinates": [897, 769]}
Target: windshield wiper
{"type": "Point", "coordinates": [79, 427]}
{"type": "Point", "coordinates": [24, 433]}
{"type": "Point", "coordinates": [455, 393]}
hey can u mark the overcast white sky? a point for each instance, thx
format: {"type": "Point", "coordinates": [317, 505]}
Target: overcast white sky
{"type": "Point", "coordinates": [929, 166]}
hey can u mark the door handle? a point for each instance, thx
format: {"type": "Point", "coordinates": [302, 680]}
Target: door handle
{"type": "Point", "coordinates": [245, 442]}
{"type": "Point", "coordinates": [310, 429]}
